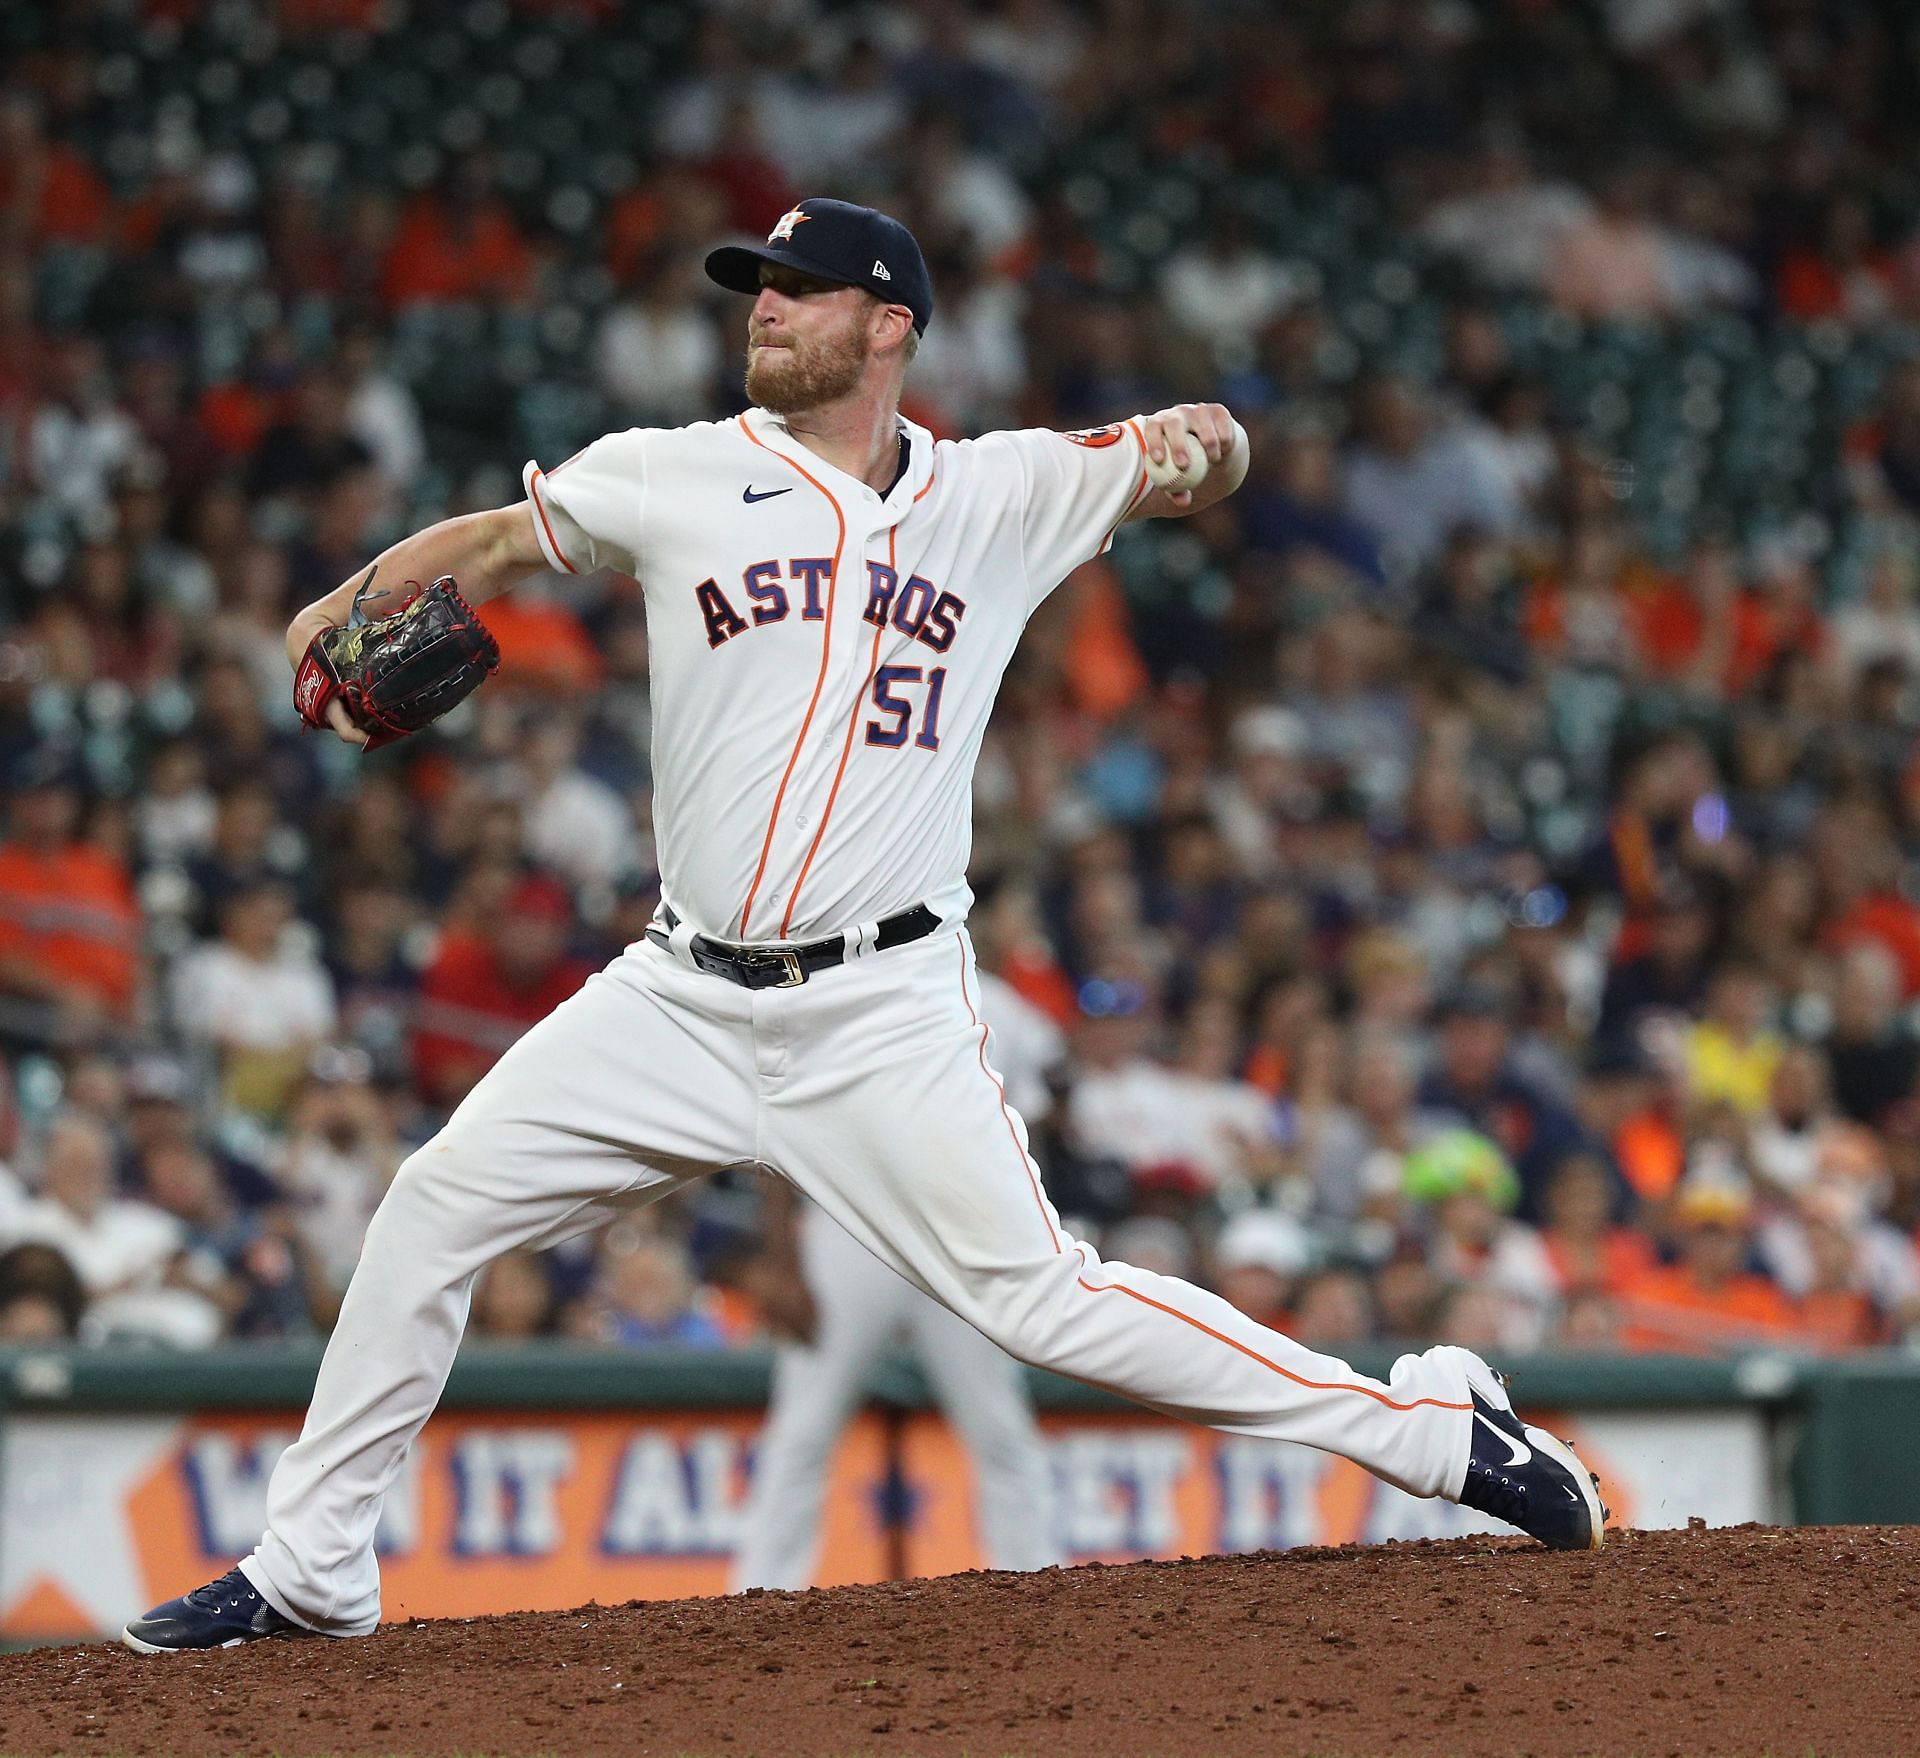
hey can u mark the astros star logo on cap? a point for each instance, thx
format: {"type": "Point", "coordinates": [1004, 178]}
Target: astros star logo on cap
{"type": "Point", "coordinates": [783, 227]}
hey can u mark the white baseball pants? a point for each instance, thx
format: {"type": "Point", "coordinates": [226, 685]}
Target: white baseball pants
{"type": "Point", "coordinates": [863, 1309]}
{"type": "Point", "coordinates": [871, 1088]}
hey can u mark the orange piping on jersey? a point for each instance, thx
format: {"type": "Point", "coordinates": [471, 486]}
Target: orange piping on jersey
{"type": "Point", "coordinates": [552, 542]}
{"type": "Point", "coordinates": [1147, 1300]}
{"type": "Point", "coordinates": [1141, 439]}
{"type": "Point", "coordinates": [826, 649]}
{"type": "Point", "coordinates": [1140, 488]}
{"type": "Point", "coordinates": [1013, 1135]}
{"type": "Point", "coordinates": [1255, 1355]}
{"type": "Point", "coordinates": [846, 747]}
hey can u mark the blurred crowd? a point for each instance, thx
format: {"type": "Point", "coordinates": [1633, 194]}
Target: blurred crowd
{"type": "Point", "coordinates": [1425, 901]}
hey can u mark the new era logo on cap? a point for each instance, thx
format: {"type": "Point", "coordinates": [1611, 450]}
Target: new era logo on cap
{"type": "Point", "coordinates": [880, 270]}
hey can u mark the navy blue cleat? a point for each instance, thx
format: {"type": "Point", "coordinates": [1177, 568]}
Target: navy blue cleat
{"type": "Point", "coordinates": [1525, 1476]}
{"type": "Point", "coordinates": [222, 1614]}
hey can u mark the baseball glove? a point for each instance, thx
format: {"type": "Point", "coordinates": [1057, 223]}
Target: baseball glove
{"type": "Point", "coordinates": [397, 673]}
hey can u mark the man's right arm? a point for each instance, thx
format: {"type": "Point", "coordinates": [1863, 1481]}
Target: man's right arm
{"type": "Point", "coordinates": [484, 552]}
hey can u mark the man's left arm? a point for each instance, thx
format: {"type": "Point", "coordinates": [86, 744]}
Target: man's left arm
{"type": "Point", "coordinates": [1171, 438]}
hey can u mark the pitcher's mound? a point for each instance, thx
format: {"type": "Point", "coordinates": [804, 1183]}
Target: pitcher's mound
{"type": "Point", "coordinates": [1754, 1640]}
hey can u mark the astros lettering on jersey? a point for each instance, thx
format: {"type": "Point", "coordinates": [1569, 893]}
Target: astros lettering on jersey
{"type": "Point", "coordinates": [825, 657]}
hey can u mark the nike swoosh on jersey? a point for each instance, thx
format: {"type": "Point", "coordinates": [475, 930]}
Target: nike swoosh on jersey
{"type": "Point", "coordinates": [765, 494]}
{"type": "Point", "coordinates": [1518, 1449]}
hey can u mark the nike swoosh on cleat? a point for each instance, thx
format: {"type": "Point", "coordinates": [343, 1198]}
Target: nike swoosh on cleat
{"type": "Point", "coordinates": [1518, 1450]}
{"type": "Point", "coordinates": [766, 494]}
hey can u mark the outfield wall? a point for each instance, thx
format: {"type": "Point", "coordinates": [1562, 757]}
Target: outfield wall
{"type": "Point", "coordinates": [556, 1475]}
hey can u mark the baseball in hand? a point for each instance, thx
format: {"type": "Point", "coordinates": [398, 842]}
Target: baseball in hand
{"type": "Point", "coordinates": [1174, 477]}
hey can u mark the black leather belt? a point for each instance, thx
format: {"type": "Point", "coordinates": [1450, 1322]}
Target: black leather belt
{"type": "Point", "coordinates": [787, 967]}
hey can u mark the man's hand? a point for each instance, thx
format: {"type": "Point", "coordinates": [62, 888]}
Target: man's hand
{"type": "Point", "coordinates": [1171, 435]}
{"type": "Point", "coordinates": [314, 621]}
{"type": "Point", "coordinates": [342, 723]}
{"type": "Point", "coordinates": [397, 674]}
{"type": "Point", "coordinates": [485, 552]}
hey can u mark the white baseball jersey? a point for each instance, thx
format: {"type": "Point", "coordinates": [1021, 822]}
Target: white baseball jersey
{"type": "Point", "coordinates": [824, 657]}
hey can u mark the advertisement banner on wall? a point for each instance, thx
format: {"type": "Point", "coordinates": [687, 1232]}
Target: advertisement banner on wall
{"type": "Point", "coordinates": [102, 1515]}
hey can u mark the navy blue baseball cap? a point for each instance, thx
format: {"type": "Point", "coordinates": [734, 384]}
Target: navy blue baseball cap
{"type": "Point", "coordinates": [835, 241]}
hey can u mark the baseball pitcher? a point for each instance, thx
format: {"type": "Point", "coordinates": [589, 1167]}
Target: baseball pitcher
{"type": "Point", "coordinates": [832, 597]}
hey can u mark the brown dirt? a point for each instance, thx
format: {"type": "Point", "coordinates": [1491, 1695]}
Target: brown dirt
{"type": "Point", "coordinates": [1755, 1640]}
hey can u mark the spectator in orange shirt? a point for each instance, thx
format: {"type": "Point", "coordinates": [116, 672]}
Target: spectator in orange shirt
{"type": "Point", "coordinates": [1837, 1307]}
{"type": "Point", "coordinates": [1668, 618]}
{"type": "Point", "coordinates": [69, 926]}
{"type": "Point", "coordinates": [1709, 1302]}
{"type": "Point", "coordinates": [459, 244]}
{"type": "Point", "coordinates": [543, 645]}
{"type": "Point", "coordinates": [485, 989]}
{"type": "Point", "coordinates": [48, 192]}
{"type": "Point", "coordinates": [1780, 615]}
{"type": "Point", "coordinates": [1587, 1251]}
{"type": "Point", "coordinates": [1843, 273]}
{"type": "Point", "coordinates": [1857, 864]}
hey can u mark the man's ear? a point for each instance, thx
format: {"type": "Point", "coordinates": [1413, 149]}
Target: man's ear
{"type": "Point", "coordinates": [892, 325]}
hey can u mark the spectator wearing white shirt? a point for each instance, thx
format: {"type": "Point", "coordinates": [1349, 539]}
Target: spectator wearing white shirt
{"type": "Point", "coordinates": [969, 193]}
{"type": "Point", "coordinates": [77, 438]}
{"type": "Point", "coordinates": [13, 1205]}
{"type": "Point", "coordinates": [711, 84]}
{"type": "Point", "coordinates": [1356, 1152]}
{"type": "Point", "coordinates": [1039, 43]}
{"type": "Point", "coordinates": [175, 813]}
{"type": "Point", "coordinates": [1412, 483]}
{"type": "Point", "coordinates": [1507, 223]}
{"type": "Point", "coordinates": [1223, 290]}
{"type": "Point", "coordinates": [341, 1155]}
{"type": "Point", "coordinates": [1267, 786]}
{"type": "Point", "coordinates": [573, 822]}
{"type": "Point", "coordinates": [1784, 1142]}
{"type": "Point", "coordinates": [825, 131]}
{"type": "Point", "coordinates": [658, 352]}
{"type": "Point", "coordinates": [1132, 1108]}
{"type": "Point", "coordinates": [258, 997]}
{"type": "Point", "coordinates": [972, 366]}
{"type": "Point", "coordinates": [1883, 623]}
{"type": "Point", "coordinates": [118, 1246]}
{"type": "Point", "coordinates": [382, 413]}
{"type": "Point", "coordinates": [1514, 438]}
{"type": "Point", "coordinates": [1702, 271]}
{"type": "Point", "coordinates": [1831, 1241]}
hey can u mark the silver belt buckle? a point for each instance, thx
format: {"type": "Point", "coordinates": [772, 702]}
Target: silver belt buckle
{"type": "Point", "coordinates": [796, 971]}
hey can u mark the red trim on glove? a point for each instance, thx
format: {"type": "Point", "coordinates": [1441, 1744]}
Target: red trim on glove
{"type": "Point", "coordinates": [316, 685]}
